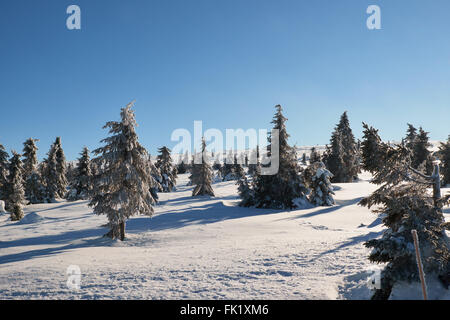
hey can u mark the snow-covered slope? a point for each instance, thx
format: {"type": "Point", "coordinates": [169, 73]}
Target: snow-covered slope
{"type": "Point", "coordinates": [193, 248]}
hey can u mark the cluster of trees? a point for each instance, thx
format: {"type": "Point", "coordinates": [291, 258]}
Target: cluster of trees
{"type": "Point", "coordinates": [121, 181]}
{"type": "Point", "coordinates": [24, 180]}
{"type": "Point", "coordinates": [405, 173]}
{"type": "Point", "coordinates": [291, 184]}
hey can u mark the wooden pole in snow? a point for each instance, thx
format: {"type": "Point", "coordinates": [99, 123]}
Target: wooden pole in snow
{"type": "Point", "coordinates": [419, 264]}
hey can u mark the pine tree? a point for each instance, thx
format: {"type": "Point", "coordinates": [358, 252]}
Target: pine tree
{"type": "Point", "coordinates": [156, 180]}
{"type": "Point", "coordinates": [372, 150]}
{"type": "Point", "coordinates": [81, 184]}
{"type": "Point", "coordinates": [444, 151]}
{"type": "Point", "coordinates": [253, 161]}
{"type": "Point", "coordinates": [3, 173]}
{"type": "Point", "coordinates": [320, 185]}
{"type": "Point", "coordinates": [411, 135]}
{"type": "Point", "coordinates": [183, 165]}
{"type": "Point", "coordinates": [49, 175]}
{"type": "Point", "coordinates": [406, 205]}
{"type": "Point", "coordinates": [421, 154]}
{"type": "Point", "coordinates": [166, 169]}
{"type": "Point", "coordinates": [34, 189]}
{"type": "Point", "coordinates": [228, 166]}
{"type": "Point", "coordinates": [238, 170]}
{"type": "Point", "coordinates": [245, 192]}
{"type": "Point", "coordinates": [61, 169]}
{"type": "Point", "coordinates": [16, 199]}
{"type": "Point", "coordinates": [122, 189]}
{"type": "Point", "coordinates": [314, 156]}
{"type": "Point", "coordinates": [281, 189]}
{"type": "Point", "coordinates": [342, 157]}
{"type": "Point", "coordinates": [201, 176]}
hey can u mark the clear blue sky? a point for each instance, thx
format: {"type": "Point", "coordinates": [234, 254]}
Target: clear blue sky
{"type": "Point", "coordinates": [226, 62]}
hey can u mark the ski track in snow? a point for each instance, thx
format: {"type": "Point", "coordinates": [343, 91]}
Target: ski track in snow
{"type": "Point", "coordinates": [194, 248]}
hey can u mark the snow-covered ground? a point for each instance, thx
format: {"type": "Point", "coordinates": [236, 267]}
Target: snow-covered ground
{"type": "Point", "coordinates": [193, 248]}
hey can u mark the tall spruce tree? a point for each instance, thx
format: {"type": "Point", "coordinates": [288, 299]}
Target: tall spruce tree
{"type": "Point", "coordinates": [201, 176]}
{"type": "Point", "coordinates": [253, 161]}
{"type": "Point", "coordinates": [16, 196]}
{"type": "Point", "coordinates": [54, 172]}
{"type": "Point", "coordinates": [245, 192]}
{"type": "Point", "coordinates": [50, 175]}
{"type": "Point", "coordinates": [281, 189]}
{"type": "Point", "coordinates": [444, 151]}
{"type": "Point", "coordinates": [228, 166]}
{"type": "Point", "coordinates": [421, 154]}
{"type": "Point", "coordinates": [342, 157]}
{"type": "Point", "coordinates": [238, 170]}
{"type": "Point", "coordinates": [411, 135]}
{"type": "Point", "coordinates": [183, 165]}
{"type": "Point", "coordinates": [3, 173]}
{"type": "Point", "coordinates": [405, 203]}
{"type": "Point", "coordinates": [372, 150]}
{"type": "Point", "coordinates": [320, 185]}
{"type": "Point", "coordinates": [81, 184]}
{"type": "Point", "coordinates": [61, 169]}
{"type": "Point", "coordinates": [122, 188]}
{"type": "Point", "coordinates": [166, 169]}
{"type": "Point", "coordinates": [34, 189]}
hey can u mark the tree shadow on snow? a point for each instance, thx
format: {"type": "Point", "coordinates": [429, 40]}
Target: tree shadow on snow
{"type": "Point", "coordinates": [202, 214]}
{"type": "Point", "coordinates": [69, 240]}
{"type": "Point", "coordinates": [353, 241]}
{"type": "Point", "coordinates": [339, 205]}
{"type": "Point", "coordinates": [173, 219]}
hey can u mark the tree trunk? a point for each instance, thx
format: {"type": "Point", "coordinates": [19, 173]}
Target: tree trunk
{"type": "Point", "coordinates": [122, 230]}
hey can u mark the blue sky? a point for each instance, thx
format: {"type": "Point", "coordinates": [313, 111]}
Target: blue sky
{"type": "Point", "coordinates": [225, 62]}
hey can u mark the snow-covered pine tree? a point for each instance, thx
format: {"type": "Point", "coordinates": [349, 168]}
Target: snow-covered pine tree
{"type": "Point", "coordinates": [238, 170]}
{"type": "Point", "coordinates": [155, 179]}
{"type": "Point", "coordinates": [16, 197]}
{"type": "Point", "coordinates": [201, 176]}
{"type": "Point", "coordinates": [81, 184]}
{"type": "Point", "coordinates": [166, 169]}
{"type": "Point", "coordinates": [281, 189]}
{"type": "Point", "coordinates": [183, 164]}
{"type": "Point", "coordinates": [34, 189]}
{"type": "Point", "coordinates": [3, 173]}
{"type": "Point", "coordinates": [228, 166]}
{"type": "Point", "coordinates": [372, 150]}
{"type": "Point", "coordinates": [253, 161]}
{"type": "Point", "coordinates": [314, 156]}
{"type": "Point", "coordinates": [61, 169]}
{"type": "Point", "coordinates": [411, 135]}
{"type": "Point", "coordinates": [321, 189]}
{"type": "Point", "coordinates": [50, 176]}
{"type": "Point", "coordinates": [342, 158]}
{"type": "Point", "coordinates": [421, 154]}
{"type": "Point", "coordinates": [245, 192]}
{"type": "Point", "coordinates": [54, 172]}
{"type": "Point", "coordinates": [122, 189]}
{"type": "Point", "coordinates": [30, 161]}
{"type": "Point", "coordinates": [444, 151]}
{"type": "Point", "coordinates": [405, 203]}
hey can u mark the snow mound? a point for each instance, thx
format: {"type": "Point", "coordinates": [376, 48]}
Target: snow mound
{"type": "Point", "coordinates": [413, 291]}
{"type": "Point", "coordinates": [32, 217]}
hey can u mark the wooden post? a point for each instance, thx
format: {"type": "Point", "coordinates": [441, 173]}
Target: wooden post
{"type": "Point", "coordinates": [419, 264]}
